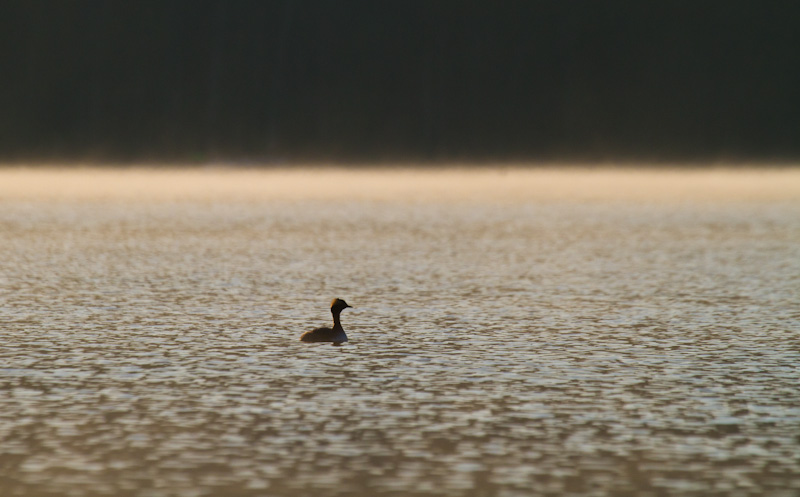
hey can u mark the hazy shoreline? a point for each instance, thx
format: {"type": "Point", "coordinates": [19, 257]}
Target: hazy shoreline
{"type": "Point", "coordinates": [457, 182]}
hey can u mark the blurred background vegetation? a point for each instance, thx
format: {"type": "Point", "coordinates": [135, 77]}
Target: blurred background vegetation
{"type": "Point", "coordinates": [399, 80]}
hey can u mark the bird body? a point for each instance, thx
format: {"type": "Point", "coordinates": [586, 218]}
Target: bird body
{"type": "Point", "coordinates": [335, 334]}
{"type": "Point", "coordinates": [325, 335]}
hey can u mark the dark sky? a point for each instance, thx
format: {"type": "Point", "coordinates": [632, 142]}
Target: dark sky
{"type": "Point", "coordinates": [392, 80]}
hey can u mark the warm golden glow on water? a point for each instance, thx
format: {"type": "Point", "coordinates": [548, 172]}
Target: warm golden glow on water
{"type": "Point", "coordinates": [501, 184]}
{"type": "Point", "coordinates": [515, 332]}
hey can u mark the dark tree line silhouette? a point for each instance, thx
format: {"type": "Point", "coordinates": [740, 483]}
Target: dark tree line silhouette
{"type": "Point", "coordinates": [399, 80]}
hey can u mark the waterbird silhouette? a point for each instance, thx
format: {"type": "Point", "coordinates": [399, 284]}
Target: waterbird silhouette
{"type": "Point", "coordinates": [335, 334]}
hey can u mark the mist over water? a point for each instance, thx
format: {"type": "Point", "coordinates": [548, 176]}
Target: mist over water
{"type": "Point", "coordinates": [514, 332]}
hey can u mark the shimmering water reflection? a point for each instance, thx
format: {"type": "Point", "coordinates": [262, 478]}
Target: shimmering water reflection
{"type": "Point", "coordinates": [552, 348]}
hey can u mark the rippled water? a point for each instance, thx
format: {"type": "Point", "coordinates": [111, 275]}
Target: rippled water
{"type": "Point", "coordinates": [508, 349]}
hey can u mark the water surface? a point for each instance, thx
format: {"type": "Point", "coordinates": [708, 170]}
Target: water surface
{"type": "Point", "coordinates": [505, 340]}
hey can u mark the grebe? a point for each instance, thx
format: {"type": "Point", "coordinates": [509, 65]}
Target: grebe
{"type": "Point", "coordinates": [335, 334]}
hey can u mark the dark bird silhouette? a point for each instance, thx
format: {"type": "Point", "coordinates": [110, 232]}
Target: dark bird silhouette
{"type": "Point", "coordinates": [335, 334]}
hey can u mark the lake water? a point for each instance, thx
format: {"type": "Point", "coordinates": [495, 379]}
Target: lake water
{"type": "Point", "coordinates": [514, 333]}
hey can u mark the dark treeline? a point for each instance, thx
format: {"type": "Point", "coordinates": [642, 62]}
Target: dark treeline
{"type": "Point", "coordinates": [399, 80]}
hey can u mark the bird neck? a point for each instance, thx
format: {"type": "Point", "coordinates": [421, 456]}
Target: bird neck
{"type": "Point", "coordinates": [336, 322]}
